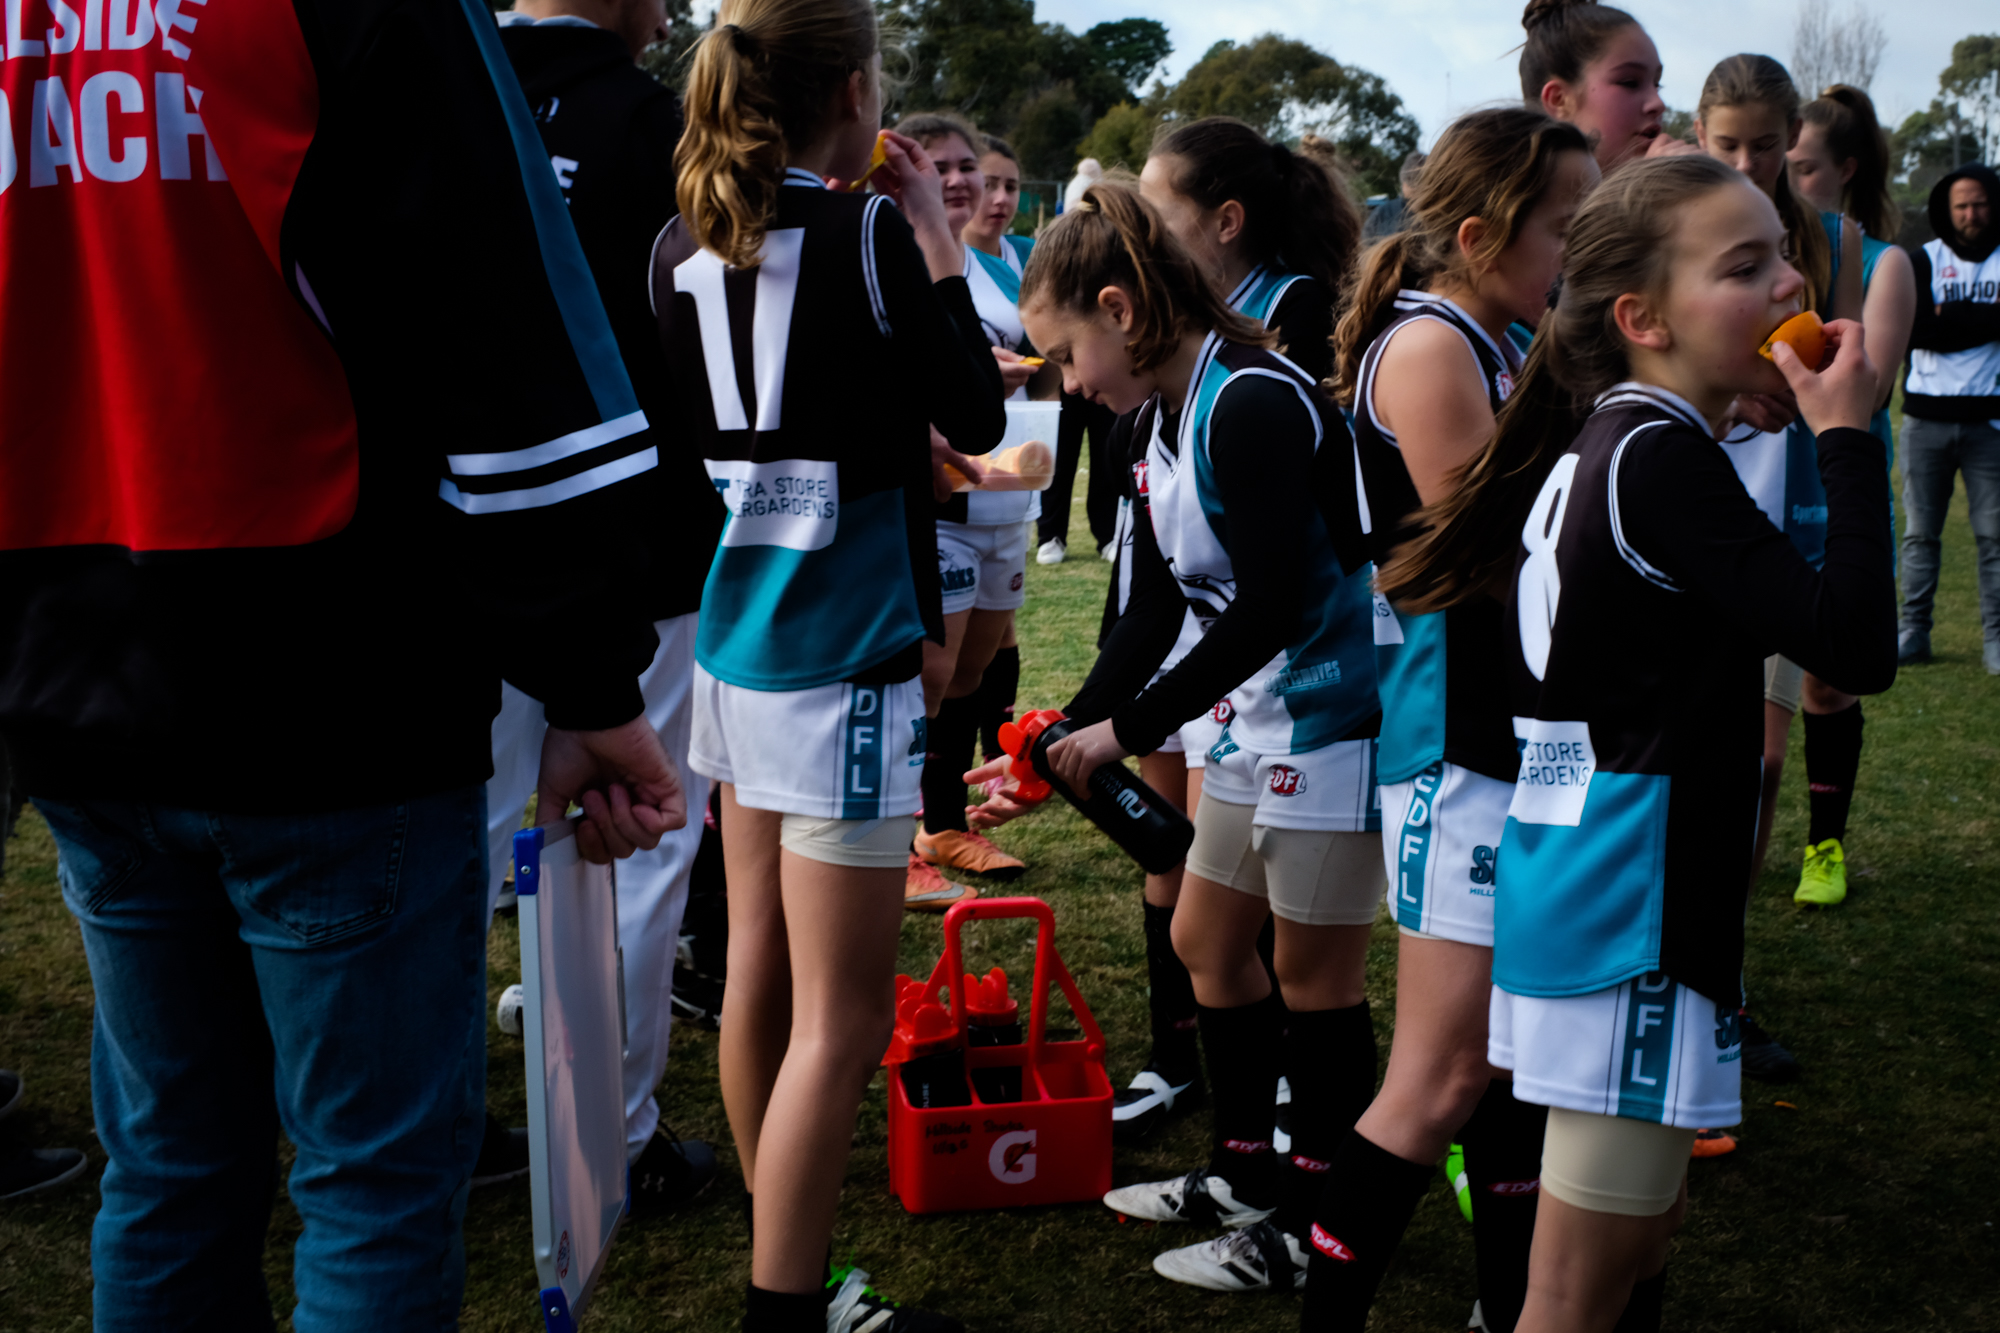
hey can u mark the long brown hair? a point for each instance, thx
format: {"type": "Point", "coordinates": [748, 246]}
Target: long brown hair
{"type": "Point", "coordinates": [1620, 242]}
{"type": "Point", "coordinates": [928, 127]}
{"type": "Point", "coordinates": [1752, 80]}
{"type": "Point", "coordinates": [1846, 117]}
{"type": "Point", "coordinates": [1295, 210]}
{"type": "Point", "coordinates": [759, 85]}
{"type": "Point", "coordinates": [1564, 36]}
{"type": "Point", "coordinates": [1115, 238]}
{"type": "Point", "coordinates": [1494, 164]}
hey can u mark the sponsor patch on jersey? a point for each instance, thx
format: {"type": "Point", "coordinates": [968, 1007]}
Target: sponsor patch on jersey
{"type": "Point", "coordinates": [1388, 629]}
{"type": "Point", "coordinates": [788, 502]}
{"type": "Point", "coordinates": [1287, 781]}
{"type": "Point", "coordinates": [1503, 384]}
{"type": "Point", "coordinates": [1331, 1245]}
{"type": "Point", "coordinates": [1557, 761]}
{"type": "Point", "coordinates": [1139, 477]}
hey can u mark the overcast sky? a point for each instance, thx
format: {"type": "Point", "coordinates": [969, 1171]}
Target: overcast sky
{"type": "Point", "coordinates": [1445, 56]}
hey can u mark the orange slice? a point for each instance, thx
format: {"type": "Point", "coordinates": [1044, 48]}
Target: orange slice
{"type": "Point", "coordinates": [1806, 336]}
{"type": "Point", "coordinates": [876, 161]}
{"type": "Point", "coordinates": [1036, 361]}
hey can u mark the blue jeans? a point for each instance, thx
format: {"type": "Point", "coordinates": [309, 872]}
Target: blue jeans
{"type": "Point", "coordinates": [323, 973]}
{"type": "Point", "coordinates": [1933, 451]}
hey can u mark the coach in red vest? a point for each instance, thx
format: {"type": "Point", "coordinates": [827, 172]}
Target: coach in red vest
{"type": "Point", "coordinates": [311, 426]}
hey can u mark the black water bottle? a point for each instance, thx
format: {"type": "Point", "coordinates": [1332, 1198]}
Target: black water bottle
{"type": "Point", "coordinates": [934, 1073]}
{"type": "Point", "coordinates": [993, 1018]}
{"type": "Point", "coordinates": [1133, 815]}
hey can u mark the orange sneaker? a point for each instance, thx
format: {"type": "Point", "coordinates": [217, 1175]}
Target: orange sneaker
{"type": "Point", "coordinates": [927, 891]}
{"type": "Point", "coordinates": [968, 853]}
{"type": "Point", "coordinates": [1713, 1143]}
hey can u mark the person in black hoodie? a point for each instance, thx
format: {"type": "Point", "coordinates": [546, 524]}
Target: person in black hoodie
{"type": "Point", "coordinates": [610, 130]}
{"type": "Point", "coordinates": [1951, 402]}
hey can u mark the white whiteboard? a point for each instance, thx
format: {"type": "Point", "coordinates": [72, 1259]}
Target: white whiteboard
{"type": "Point", "coordinates": [573, 1012]}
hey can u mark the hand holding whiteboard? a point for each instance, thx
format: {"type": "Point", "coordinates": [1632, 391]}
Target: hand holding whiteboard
{"type": "Point", "coordinates": [573, 1010]}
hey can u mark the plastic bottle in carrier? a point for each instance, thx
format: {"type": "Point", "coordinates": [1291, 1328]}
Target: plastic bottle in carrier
{"type": "Point", "coordinates": [934, 1075]}
{"type": "Point", "coordinates": [992, 1018]}
{"type": "Point", "coordinates": [1132, 814]}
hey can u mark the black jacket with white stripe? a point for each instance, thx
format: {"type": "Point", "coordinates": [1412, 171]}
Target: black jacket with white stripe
{"type": "Point", "coordinates": [385, 197]}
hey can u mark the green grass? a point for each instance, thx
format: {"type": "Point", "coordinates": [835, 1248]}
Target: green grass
{"type": "Point", "coordinates": [1870, 1206]}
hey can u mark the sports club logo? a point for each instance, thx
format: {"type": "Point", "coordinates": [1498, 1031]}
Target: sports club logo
{"type": "Point", "coordinates": [1311, 1164]}
{"type": "Point", "coordinates": [1331, 1245]}
{"type": "Point", "coordinates": [1503, 383]}
{"type": "Point", "coordinates": [1247, 1145]}
{"type": "Point", "coordinates": [1949, 272]}
{"type": "Point", "coordinates": [1223, 713]}
{"type": "Point", "coordinates": [1010, 1159]}
{"type": "Point", "coordinates": [1139, 477]}
{"type": "Point", "coordinates": [1015, 586]}
{"type": "Point", "coordinates": [1515, 1186]}
{"type": "Point", "coordinates": [1286, 780]}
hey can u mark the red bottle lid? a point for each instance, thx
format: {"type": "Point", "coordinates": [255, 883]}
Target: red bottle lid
{"type": "Point", "coordinates": [1018, 740]}
{"type": "Point", "coordinates": [987, 1002]}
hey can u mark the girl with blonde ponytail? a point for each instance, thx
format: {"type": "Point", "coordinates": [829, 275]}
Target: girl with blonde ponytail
{"type": "Point", "coordinates": [784, 300]}
{"type": "Point", "coordinates": [1245, 514]}
{"type": "Point", "coordinates": [1424, 358]}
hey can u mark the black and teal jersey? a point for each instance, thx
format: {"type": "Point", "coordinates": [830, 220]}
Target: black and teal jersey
{"type": "Point", "coordinates": [1245, 519]}
{"type": "Point", "coordinates": [1297, 308]}
{"type": "Point", "coordinates": [827, 570]}
{"type": "Point", "coordinates": [1443, 696]}
{"type": "Point", "coordinates": [1648, 591]}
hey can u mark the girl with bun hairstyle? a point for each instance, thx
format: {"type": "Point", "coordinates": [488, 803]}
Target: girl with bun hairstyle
{"type": "Point", "coordinates": [1424, 361]}
{"type": "Point", "coordinates": [1840, 164]}
{"type": "Point", "coordinates": [1246, 515]}
{"type": "Point", "coordinates": [1644, 589]}
{"type": "Point", "coordinates": [1595, 67]}
{"type": "Point", "coordinates": [808, 707]}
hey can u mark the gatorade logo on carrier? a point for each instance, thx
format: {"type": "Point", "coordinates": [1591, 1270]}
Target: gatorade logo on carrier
{"type": "Point", "coordinates": [1010, 1160]}
{"type": "Point", "coordinates": [1331, 1245]}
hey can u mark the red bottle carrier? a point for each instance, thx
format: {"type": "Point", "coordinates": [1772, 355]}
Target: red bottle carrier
{"type": "Point", "coordinates": [1052, 1146]}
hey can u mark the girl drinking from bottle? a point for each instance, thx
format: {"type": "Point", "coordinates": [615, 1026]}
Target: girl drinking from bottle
{"type": "Point", "coordinates": [1423, 356]}
{"type": "Point", "coordinates": [1245, 514]}
{"type": "Point", "coordinates": [808, 707]}
{"type": "Point", "coordinates": [1645, 588]}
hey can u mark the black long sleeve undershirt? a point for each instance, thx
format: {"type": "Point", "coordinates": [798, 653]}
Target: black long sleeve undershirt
{"type": "Point", "coordinates": [1697, 524]}
{"type": "Point", "coordinates": [1260, 443]}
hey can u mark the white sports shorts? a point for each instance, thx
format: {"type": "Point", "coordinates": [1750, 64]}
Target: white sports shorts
{"type": "Point", "coordinates": [1647, 1049]}
{"type": "Point", "coordinates": [983, 566]}
{"type": "Point", "coordinates": [839, 751]}
{"type": "Point", "coordinates": [1440, 837]}
{"type": "Point", "coordinates": [1331, 789]}
{"type": "Point", "coordinates": [1197, 737]}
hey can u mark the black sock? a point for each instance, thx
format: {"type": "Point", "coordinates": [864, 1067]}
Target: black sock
{"type": "Point", "coordinates": [1643, 1309]}
{"type": "Point", "coordinates": [947, 757]}
{"type": "Point", "coordinates": [783, 1311]}
{"type": "Point", "coordinates": [1243, 1049]}
{"type": "Point", "coordinates": [1171, 999]}
{"type": "Point", "coordinates": [1331, 1056]}
{"type": "Point", "coordinates": [1503, 1163]}
{"type": "Point", "coordinates": [1833, 758]}
{"type": "Point", "coordinates": [996, 698]}
{"type": "Point", "coordinates": [1370, 1195]}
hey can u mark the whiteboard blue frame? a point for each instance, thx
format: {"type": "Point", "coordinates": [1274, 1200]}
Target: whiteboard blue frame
{"type": "Point", "coordinates": [573, 1014]}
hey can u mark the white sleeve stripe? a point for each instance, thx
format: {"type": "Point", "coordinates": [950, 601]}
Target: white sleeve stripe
{"type": "Point", "coordinates": [534, 497]}
{"type": "Point", "coordinates": [554, 451]}
{"type": "Point", "coordinates": [868, 273]}
{"type": "Point", "coordinates": [1645, 568]}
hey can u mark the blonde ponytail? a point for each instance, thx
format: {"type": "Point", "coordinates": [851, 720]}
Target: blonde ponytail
{"type": "Point", "coordinates": [760, 85]}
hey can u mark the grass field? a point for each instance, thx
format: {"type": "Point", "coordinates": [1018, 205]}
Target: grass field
{"type": "Point", "coordinates": [1868, 1205]}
